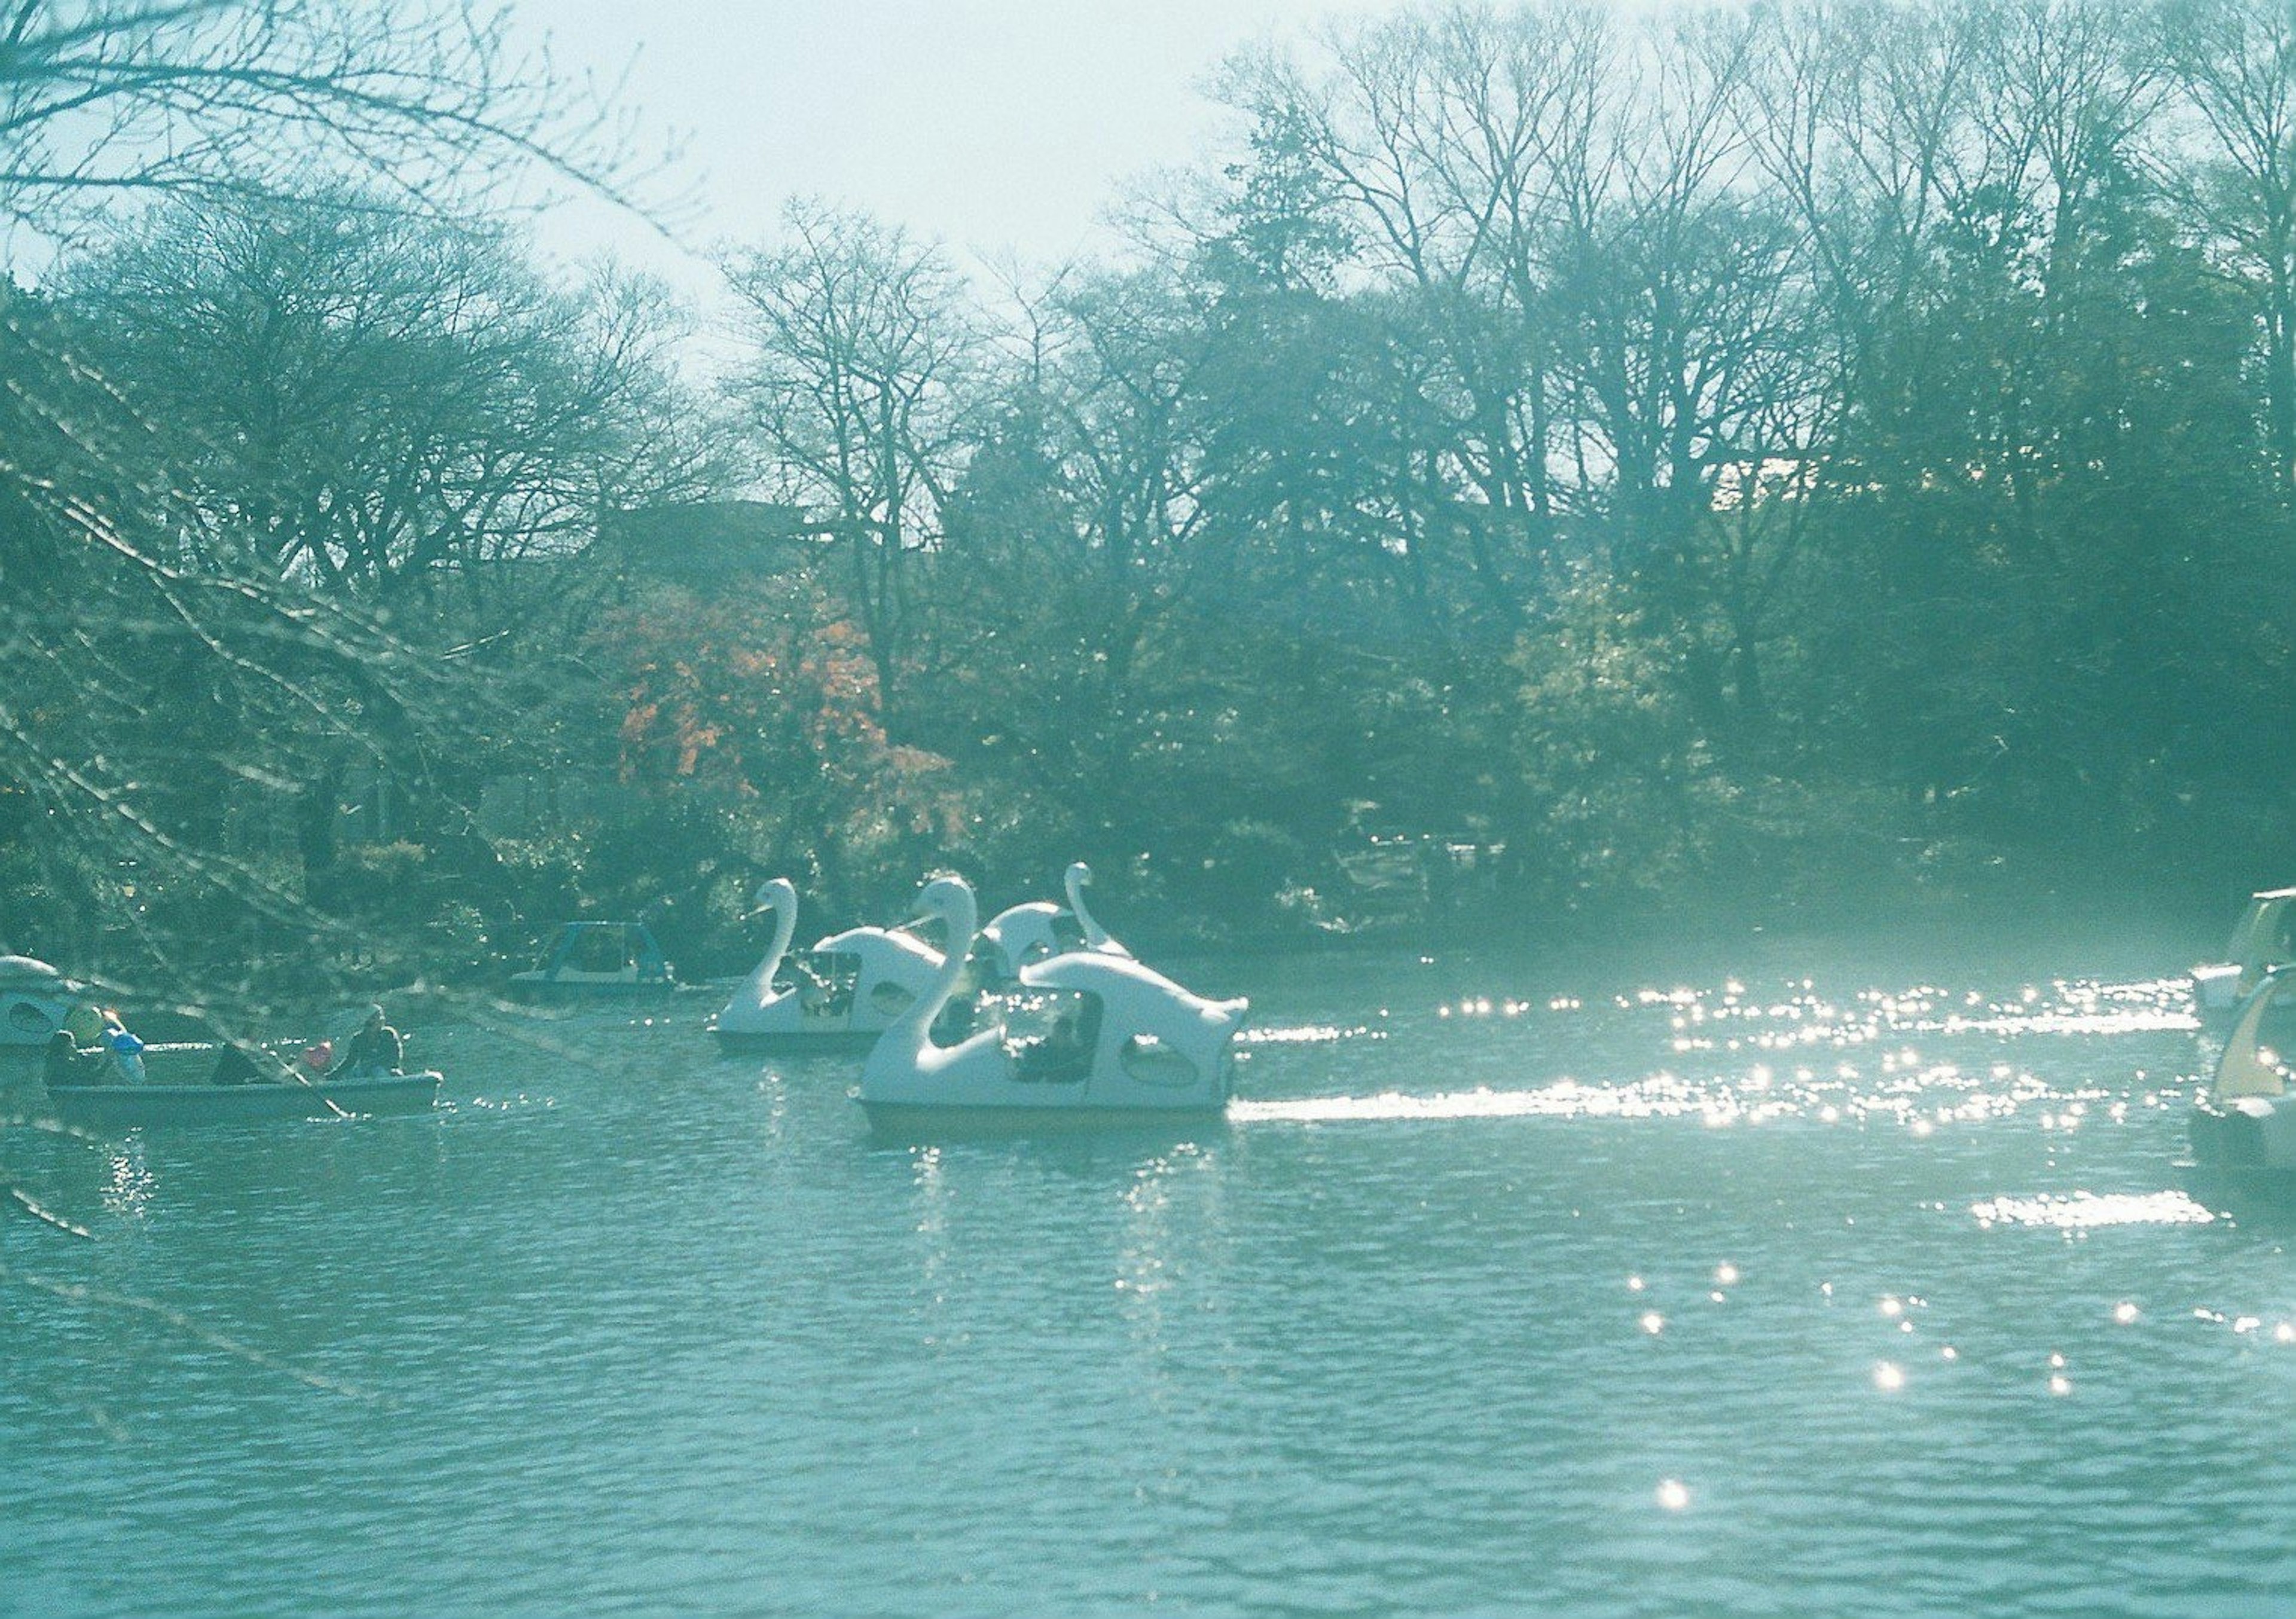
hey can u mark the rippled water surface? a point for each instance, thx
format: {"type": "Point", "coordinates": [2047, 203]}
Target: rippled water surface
{"type": "Point", "coordinates": [1501, 1293]}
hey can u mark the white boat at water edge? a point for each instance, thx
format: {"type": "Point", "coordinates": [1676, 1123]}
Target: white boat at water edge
{"type": "Point", "coordinates": [1120, 1044]}
{"type": "Point", "coordinates": [2264, 938]}
{"type": "Point", "coordinates": [2245, 1119]}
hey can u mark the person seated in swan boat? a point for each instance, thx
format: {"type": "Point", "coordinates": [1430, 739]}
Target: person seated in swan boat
{"type": "Point", "coordinates": [1064, 1051]}
{"type": "Point", "coordinates": [816, 994]}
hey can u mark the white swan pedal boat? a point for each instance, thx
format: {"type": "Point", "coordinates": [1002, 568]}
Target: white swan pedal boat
{"type": "Point", "coordinates": [1123, 1044]}
{"type": "Point", "coordinates": [841, 996]}
{"type": "Point", "coordinates": [1039, 930]}
{"type": "Point", "coordinates": [2246, 1118]}
{"type": "Point", "coordinates": [35, 1000]}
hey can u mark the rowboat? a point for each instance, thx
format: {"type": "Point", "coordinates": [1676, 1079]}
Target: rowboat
{"type": "Point", "coordinates": [136, 1106]}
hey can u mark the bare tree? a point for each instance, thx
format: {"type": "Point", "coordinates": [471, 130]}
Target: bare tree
{"type": "Point", "coordinates": [860, 342]}
{"type": "Point", "coordinates": [2235, 65]}
{"type": "Point", "coordinates": [374, 401]}
{"type": "Point", "coordinates": [422, 98]}
{"type": "Point", "coordinates": [1446, 138]}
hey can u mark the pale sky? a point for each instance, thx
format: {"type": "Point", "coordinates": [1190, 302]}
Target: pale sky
{"type": "Point", "coordinates": [993, 125]}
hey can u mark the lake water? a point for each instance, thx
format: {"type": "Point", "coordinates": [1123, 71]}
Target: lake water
{"type": "Point", "coordinates": [1508, 1290]}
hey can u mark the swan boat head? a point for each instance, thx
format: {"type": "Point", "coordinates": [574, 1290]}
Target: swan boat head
{"type": "Point", "coordinates": [1075, 880]}
{"type": "Point", "coordinates": [850, 984]}
{"type": "Point", "coordinates": [905, 1065]}
{"type": "Point", "coordinates": [1033, 932]}
{"type": "Point", "coordinates": [751, 1006]}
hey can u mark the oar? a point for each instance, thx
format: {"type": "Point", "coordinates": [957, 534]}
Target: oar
{"type": "Point", "coordinates": [296, 1073]}
{"type": "Point", "coordinates": [333, 1107]}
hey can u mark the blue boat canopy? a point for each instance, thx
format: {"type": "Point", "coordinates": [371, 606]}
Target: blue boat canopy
{"type": "Point", "coordinates": [593, 950]}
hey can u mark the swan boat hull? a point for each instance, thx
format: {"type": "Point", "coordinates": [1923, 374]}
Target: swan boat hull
{"type": "Point", "coordinates": [931, 1121]}
{"type": "Point", "coordinates": [137, 1106]}
{"type": "Point", "coordinates": [792, 1042]}
{"type": "Point", "coordinates": [2249, 1135]}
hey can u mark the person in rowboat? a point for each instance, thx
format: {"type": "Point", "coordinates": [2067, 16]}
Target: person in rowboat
{"type": "Point", "coordinates": [127, 1050]}
{"type": "Point", "coordinates": [375, 1049]}
{"type": "Point", "coordinates": [241, 1065]}
{"type": "Point", "coordinates": [66, 1064]}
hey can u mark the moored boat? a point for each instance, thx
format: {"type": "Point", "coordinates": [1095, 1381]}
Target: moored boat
{"type": "Point", "coordinates": [596, 961]}
{"type": "Point", "coordinates": [137, 1106]}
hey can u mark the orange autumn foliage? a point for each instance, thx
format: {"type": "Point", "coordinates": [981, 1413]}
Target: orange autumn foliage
{"type": "Point", "coordinates": [778, 703]}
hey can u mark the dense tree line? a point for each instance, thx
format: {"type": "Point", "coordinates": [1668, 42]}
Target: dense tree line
{"type": "Point", "coordinates": [1762, 453]}
{"type": "Point", "coordinates": [1784, 456]}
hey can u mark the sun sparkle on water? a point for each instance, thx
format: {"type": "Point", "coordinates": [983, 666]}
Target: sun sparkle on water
{"type": "Point", "coordinates": [2088, 1211]}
